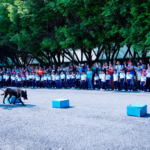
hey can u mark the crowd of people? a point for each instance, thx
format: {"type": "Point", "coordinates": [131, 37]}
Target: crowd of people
{"type": "Point", "coordinates": [116, 76]}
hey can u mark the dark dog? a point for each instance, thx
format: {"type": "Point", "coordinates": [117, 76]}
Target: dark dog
{"type": "Point", "coordinates": [18, 93]}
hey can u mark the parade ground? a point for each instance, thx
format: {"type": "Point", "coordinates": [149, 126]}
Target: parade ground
{"type": "Point", "coordinates": [95, 120]}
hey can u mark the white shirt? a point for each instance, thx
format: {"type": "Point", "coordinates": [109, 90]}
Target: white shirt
{"type": "Point", "coordinates": [12, 78]}
{"type": "Point", "coordinates": [49, 78]}
{"type": "Point", "coordinates": [122, 75]}
{"type": "Point", "coordinates": [6, 77]}
{"type": "Point", "coordinates": [73, 76]}
{"type": "Point", "coordinates": [100, 76]}
{"type": "Point", "coordinates": [128, 76]}
{"type": "Point", "coordinates": [107, 77]}
{"type": "Point", "coordinates": [30, 77]}
{"type": "Point", "coordinates": [103, 77]}
{"type": "Point", "coordinates": [143, 78]}
{"type": "Point", "coordinates": [115, 77]}
{"type": "Point", "coordinates": [83, 77]}
{"type": "Point", "coordinates": [37, 78]}
{"type": "Point", "coordinates": [42, 78]}
{"type": "Point", "coordinates": [45, 78]}
{"type": "Point", "coordinates": [33, 76]}
{"type": "Point", "coordinates": [118, 68]}
{"type": "Point", "coordinates": [57, 77]}
{"type": "Point", "coordinates": [78, 76]}
{"type": "Point", "coordinates": [62, 76]}
{"type": "Point", "coordinates": [27, 77]}
{"type": "Point", "coordinates": [139, 76]}
{"type": "Point", "coordinates": [96, 78]}
{"type": "Point", "coordinates": [68, 76]}
{"type": "Point", "coordinates": [23, 78]}
{"type": "Point", "coordinates": [53, 77]}
{"type": "Point", "coordinates": [148, 73]}
{"type": "Point", "coordinates": [19, 79]}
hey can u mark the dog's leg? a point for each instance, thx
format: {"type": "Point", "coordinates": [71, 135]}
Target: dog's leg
{"type": "Point", "coordinates": [5, 95]}
{"type": "Point", "coordinates": [21, 101]}
{"type": "Point", "coordinates": [9, 99]}
{"type": "Point", "coordinates": [15, 100]}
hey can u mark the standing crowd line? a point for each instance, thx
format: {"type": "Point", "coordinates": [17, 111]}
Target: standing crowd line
{"type": "Point", "coordinates": [114, 76]}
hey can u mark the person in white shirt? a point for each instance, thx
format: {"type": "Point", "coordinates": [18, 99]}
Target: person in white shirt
{"type": "Point", "coordinates": [1, 78]}
{"type": "Point", "coordinates": [53, 79]}
{"type": "Point", "coordinates": [107, 82]}
{"type": "Point", "coordinates": [30, 79]}
{"type": "Point", "coordinates": [37, 79]}
{"type": "Point", "coordinates": [103, 79]}
{"type": "Point", "coordinates": [96, 82]}
{"type": "Point", "coordinates": [19, 82]}
{"type": "Point", "coordinates": [83, 80]}
{"type": "Point", "coordinates": [42, 81]}
{"type": "Point", "coordinates": [78, 77]}
{"type": "Point", "coordinates": [143, 82]}
{"type": "Point", "coordinates": [4, 79]}
{"type": "Point", "coordinates": [73, 80]}
{"type": "Point", "coordinates": [7, 79]}
{"type": "Point", "coordinates": [100, 78]}
{"type": "Point", "coordinates": [49, 80]}
{"type": "Point", "coordinates": [45, 80]}
{"type": "Point", "coordinates": [122, 79]}
{"type": "Point", "coordinates": [62, 79]}
{"type": "Point", "coordinates": [115, 79]}
{"type": "Point", "coordinates": [68, 77]}
{"type": "Point", "coordinates": [33, 80]}
{"type": "Point", "coordinates": [13, 84]}
{"type": "Point", "coordinates": [57, 80]}
{"type": "Point", "coordinates": [139, 74]}
{"type": "Point", "coordinates": [148, 78]}
{"type": "Point", "coordinates": [27, 80]}
{"type": "Point", "coordinates": [23, 80]}
{"type": "Point", "coordinates": [129, 80]}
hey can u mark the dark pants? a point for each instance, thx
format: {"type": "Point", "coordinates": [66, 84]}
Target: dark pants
{"type": "Point", "coordinates": [96, 84]}
{"type": "Point", "coordinates": [30, 82]}
{"type": "Point", "coordinates": [103, 85]}
{"type": "Point", "coordinates": [107, 83]}
{"type": "Point", "coordinates": [33, 83]}
{"type": "Point", "coordinates": [57, 83]}
{"type": "Point", "coordinates": [83, 83]}
{"type": "Point", "coordinates": [129, 84]}
{"type": "Point", "coordinates": [37, 84]}
{"type": "Point", "coordinates": [53, 84]}
{"type": "Point", "coordinates": [45, 83]}
{"type": "Point", "coordinates": [122, 84]}
{"type": "Point", "coordinates": [143, 86]}
{"type": "Point", "coordinates": [63, 83]}
{"type": "Point", "coordinates": [13, 83]}
{"type": "Point", "coordinates": [148, 83]}
{"type": "Point", "coordinates": [68, 83]}
{"type": "Point", "coordinates": [49, 83]}
{"type": "Point", "coordinates": [78, 83]}
{"type": "Point", "coordinates": [139, 85]}
{"type": "Point", "coordinates": [0, 84]}
{"type": "Point", "coordinates": [19, 84]}
{"type": "Point", "coordinates": [115, 85]}
{"type": "Point", "coordinates": [73, 82]}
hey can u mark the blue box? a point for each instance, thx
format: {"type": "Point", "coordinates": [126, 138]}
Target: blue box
{"type": "Point", "coordinates": [12, 99]}
{"type": "Point", "coordinates": [138, 110]}
{"type": "Point", "coordinates": [60, 103]}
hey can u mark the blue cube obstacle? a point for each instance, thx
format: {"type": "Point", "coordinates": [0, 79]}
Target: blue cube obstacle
{"type": "Point", "coordinates": [138, 110]}
{"type": "Point", "coordinates": [60, 103]}
{"type": "Point", "coordinates": [12, 99]}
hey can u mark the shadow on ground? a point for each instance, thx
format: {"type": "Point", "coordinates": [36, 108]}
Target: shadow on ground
{"type": "Point", "coordinates": [9, 107]}
{"type": "Point", "coordinates": [146, 116]}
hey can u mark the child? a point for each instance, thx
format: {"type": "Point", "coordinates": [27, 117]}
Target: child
{"type": "Point", "coordinates": [7, 80]}
{"type": "Point", "coordinates": [42, 81]}
{"type": "Point", "coordinates": [68, 80]}
{"type": "Point", "coordinates": [37, 81]}
{"type": "Point", "coordinates": [49, 80]}
{"type": "Point", "coordinates": [45, 80]}
{"type": "Point", "coordinates": [115, 79]}
{"type": "Point", "coordinates": [23, 81]}
{"type": "Point", "coordinates": [122, 80]}
{"type": "Point", "coordinates": [73, 80]}
{"type": "Point", "coordinates": [129, 80]}
{"type": "Point", "coordinates": [27, 80]}
{"type": "Point", "coordinates": [103, 78]}
{"type": "Point", "coordinates": [143, 82]}
{"type": "Point", "coordinates": [107, 82]}
{"type": "Point", "coordinates": [0, 80]}
{"type": "Point", "coordinates": [53, 80]}
{"type": "Point", "coordinates": [62, 77]}
{"type": "Point", "coordinates": [13, 80]}
{"type": "Point", "coordinates": [100, 78]}
{"type": "Point", "coordinates": [33, 80]}
{"type": "Point", "coordinates": [4, 78]}
{"type": "Point", "coordinates": [19, 82]}
{"type": "Point", "coordinates": [96, 81]}
{"type": "Point", "coordinates": [139, 74]}
{"type": "Point", "coordinates": [57, 80]}
{"type": "Point", "coordinates": [30, 79]}
{"type": "Point", "coordinates": [78, 77]}
{"type": "Point", "coordinates": [83, 80]}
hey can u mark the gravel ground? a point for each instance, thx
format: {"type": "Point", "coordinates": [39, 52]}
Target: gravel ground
{"type": "Point", "coordinates": [95, 120]}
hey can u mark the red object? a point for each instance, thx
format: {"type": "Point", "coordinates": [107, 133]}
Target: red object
{"type": "Point", "coordinates": [129, 61]}
{"type": "Point", "coordinates": [109, 71]}
{"type": "Point", "coordinates": [122, 69]}
{"type": "Point", "coordinates": [40, 72]}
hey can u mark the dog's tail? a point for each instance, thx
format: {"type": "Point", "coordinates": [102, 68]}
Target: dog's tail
{"type": "Point", "coordinates": [2, 90]}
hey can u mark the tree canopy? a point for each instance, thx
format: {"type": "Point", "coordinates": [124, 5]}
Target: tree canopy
{"type": "Point", "coordinates": [49, 30]}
